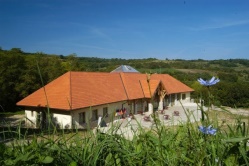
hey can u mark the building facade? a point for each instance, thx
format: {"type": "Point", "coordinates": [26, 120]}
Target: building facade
{"type": "Point", "coordinates": [78, 99]}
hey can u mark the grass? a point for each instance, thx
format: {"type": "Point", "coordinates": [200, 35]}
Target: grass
{"type": "Point", "coordinates": [162, 145]}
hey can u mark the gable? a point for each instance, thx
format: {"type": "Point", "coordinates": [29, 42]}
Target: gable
{"type": "Point", "coordinates": [171, 84]}
{"type": "Point", "coordinates": [149, 90]}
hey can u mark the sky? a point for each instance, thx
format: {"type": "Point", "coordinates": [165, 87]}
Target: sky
{"type": "Point", "coordinates": [128, 29]}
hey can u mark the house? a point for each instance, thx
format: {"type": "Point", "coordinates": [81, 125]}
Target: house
{"type": "Point", "coordinates": [77, 99]}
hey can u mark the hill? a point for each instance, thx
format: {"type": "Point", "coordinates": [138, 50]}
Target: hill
{"type": "Point", "coordinates": [22, 73]}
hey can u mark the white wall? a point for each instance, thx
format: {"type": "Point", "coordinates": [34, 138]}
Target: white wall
{"type": "Point", "coordinates": [88, 113]}
{"type": "Point", "coordinates": [30, 120]}
{"type": "Point", "coordinates": [64, 121]}
{"type": "Point", "coordinates": [183, 101]}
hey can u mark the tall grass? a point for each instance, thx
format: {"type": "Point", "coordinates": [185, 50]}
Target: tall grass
{"type": "Point", "coordinates": [162, 145]}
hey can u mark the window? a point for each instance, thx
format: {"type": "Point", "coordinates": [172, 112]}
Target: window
{"type": "Point", "coordinates": [183, 96]}
{"type": "Point", "coordinates": [105, 112]}
{"type": "Point", "coordinates": [94, 115]}
{"type": "Point", "coordinates": [178, 96]}
{"type": "Point", "coordinates": [82, 117]}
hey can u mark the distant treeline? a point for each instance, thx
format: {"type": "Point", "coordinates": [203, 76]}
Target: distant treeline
{"type": "Point", "coordinates": [21, 73]}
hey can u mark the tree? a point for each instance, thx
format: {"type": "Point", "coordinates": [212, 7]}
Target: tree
{"type": "Point", "coordinates": [12, 67]}
{"type": "Point", "coordinates": [16, 50]}
{"type": "Point", "coordinates": [72, 63]}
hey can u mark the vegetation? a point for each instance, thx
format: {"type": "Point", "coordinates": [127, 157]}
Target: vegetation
{"type": "Point", "coordinates": [19, 75]}
{"type": "Point", "coordinates": [160, 145]}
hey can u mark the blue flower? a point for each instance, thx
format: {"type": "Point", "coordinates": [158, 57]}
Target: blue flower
{"type": "Point", "coordinates": [208, 130]}
{"type": "Point", "coordinates": [210, 82]}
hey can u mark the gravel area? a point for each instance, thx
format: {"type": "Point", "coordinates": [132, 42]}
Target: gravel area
{"type": "Point", "coordinates": [12, 121]}
{"type": "Point", "coordinates": [128, 127]}
{"type": "Point", "coordinates": [238, 111]}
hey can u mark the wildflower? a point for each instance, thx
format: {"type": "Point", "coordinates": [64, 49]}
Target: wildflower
{"type": "Point", "coordinates": [208, 130]}
{"type": "Point", "coordinates": [210, 82]}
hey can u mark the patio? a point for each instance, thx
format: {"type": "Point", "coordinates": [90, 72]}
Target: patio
{"type": "Point", "coordinates": [171, 116]}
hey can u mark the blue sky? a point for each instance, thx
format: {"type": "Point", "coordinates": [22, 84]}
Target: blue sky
{"type": "Point", "coordinates": [128, 29]}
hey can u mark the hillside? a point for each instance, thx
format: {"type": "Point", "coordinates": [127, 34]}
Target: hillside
{"type": "Point", "coordinates": [22, 73]}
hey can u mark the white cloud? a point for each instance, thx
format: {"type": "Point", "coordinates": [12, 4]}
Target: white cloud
{"type": "Point", "coordinates": [218, 24]}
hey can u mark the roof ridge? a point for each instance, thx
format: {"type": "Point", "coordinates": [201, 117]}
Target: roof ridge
{"type": "Point", "coordinates": [154, 90]}
{"type": "Point", "coordinates": [141, 87]}
{"type": "Point", "coordinates": [70, 91]}
{"type": "Point", "coordinates": [122, 80]}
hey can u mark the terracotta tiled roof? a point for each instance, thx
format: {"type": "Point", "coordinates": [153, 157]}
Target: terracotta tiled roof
{"type": "Point", "coordinates": [79, 90]}
{"type": "Point", "coordinates": [145, 88]}
{"type": "Point", "coordinates": [57, 92]}
{"type": "Point", "coordinates": [75, 90]}
{"type": "Point", "coordinates": [132, 85]}
{"type": "Point", "coordinates": [89, 89]}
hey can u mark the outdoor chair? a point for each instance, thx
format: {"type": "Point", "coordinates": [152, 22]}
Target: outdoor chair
{"type": "Point", "coordinates": [141, 112]}
{"type": "Point", "coordinates": [166, 117]}
{"type": "Point", "coordinates": [146, 118]}
{"type": "Point", "coordinates": [176, 113]}
{"type": "Point", "coordinates": [165, 107]}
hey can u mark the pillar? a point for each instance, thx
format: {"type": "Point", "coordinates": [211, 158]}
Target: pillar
{"type": "Point", "coordinates": [150, 108]}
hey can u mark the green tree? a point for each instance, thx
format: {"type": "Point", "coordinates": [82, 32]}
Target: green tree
{"type": "Point", "coordinates": [12, 67]}
{"type": "Point", "coordinates": [16, 50]}
{"type": "Point", "coordinates": [72, 63]}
